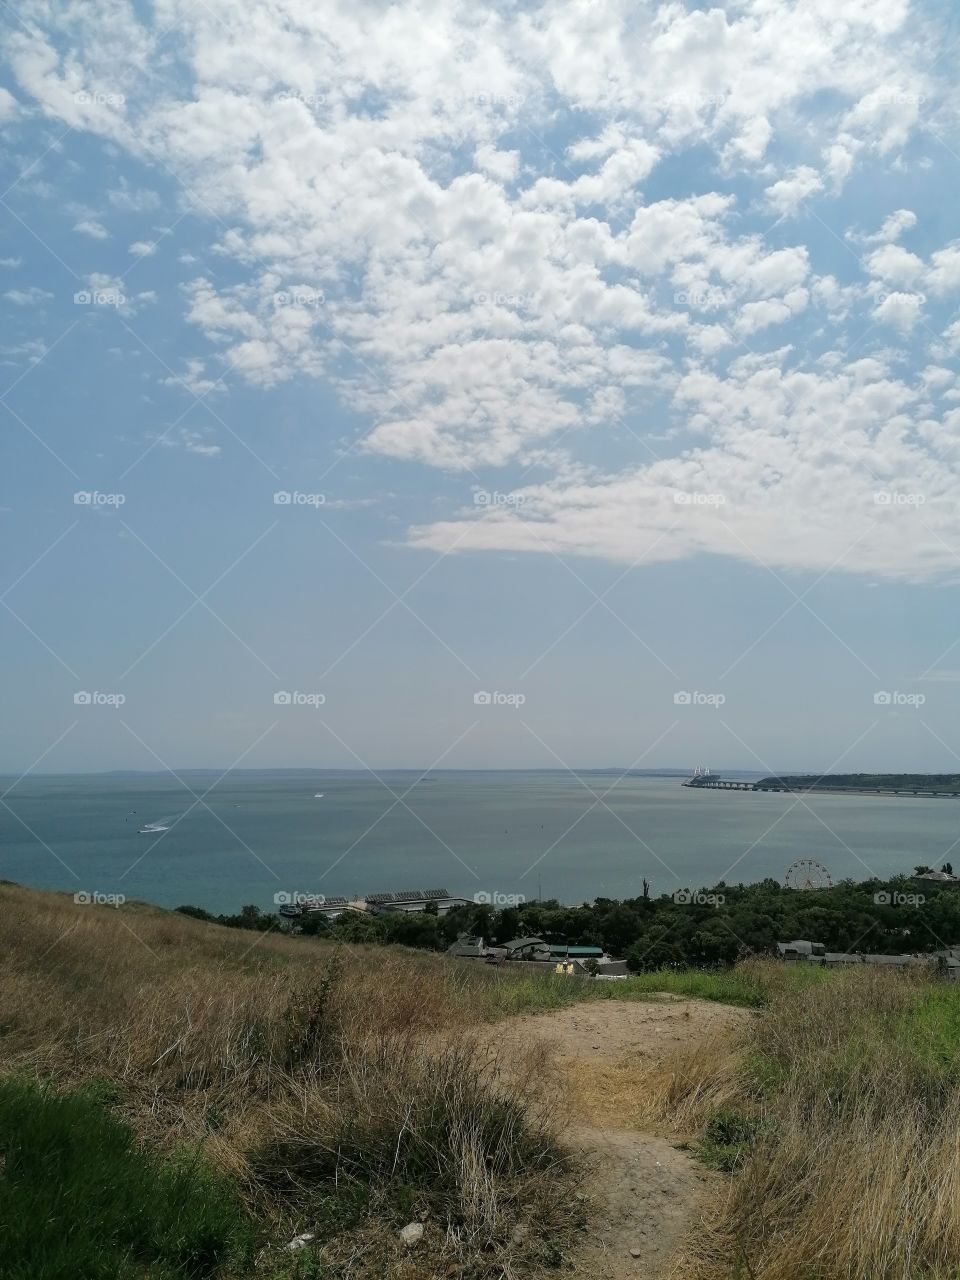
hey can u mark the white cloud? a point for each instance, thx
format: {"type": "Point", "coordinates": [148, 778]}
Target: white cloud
{"type": "Point", "coordinates": [90, 227]}
{"type": "Point", "coordinates": [787, 195]}
{"type": "Point", "coordinates": [504, 239]}
{"type": "Point", "coordinates": [502, 165]}
{"type": "Point", "coordinates": [9, 107]}
{"type": "Point", "coordinates": [894, 226]}
{"type": "Point", "coordinates": [195, 442]}
{"type": "Point", "coordinates": [901, 310]}
{"type": "Point", "coordinates": [797, 474]}
{"type": "Point", "coordinates": [32, 297]}
{"type": "Point", "coordinates": [896, 265]}
{"type": "Point", "coordinates": [143, 248]}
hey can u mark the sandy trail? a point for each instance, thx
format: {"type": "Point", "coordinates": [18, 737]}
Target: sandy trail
{"type": "Point", "coordinates": [650, 1194]}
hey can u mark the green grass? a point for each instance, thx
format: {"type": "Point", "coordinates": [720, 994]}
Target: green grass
{"type": "Point", "coordinates": [79, 1201]}
{"type": "Point", "coordinates": [728, 986]}
{"type": "Point", "coordinates": [932, 1028]}
{"type": "Point", "coordinates": [510, 993]}
{"type": "Point", "coordinates": [727, 1139]}
{"type": "Point", "coordinates": [750, 985]}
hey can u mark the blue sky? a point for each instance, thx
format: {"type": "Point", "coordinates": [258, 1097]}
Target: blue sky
{"type": "Point", "coordinates": [606, 352]}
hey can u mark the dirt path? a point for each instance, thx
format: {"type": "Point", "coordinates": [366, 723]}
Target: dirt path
{"type": "Point", "coordinates": [650, 1193]}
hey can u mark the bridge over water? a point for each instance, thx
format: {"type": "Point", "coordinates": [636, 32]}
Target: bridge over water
{"type": "Point", "coordinates": [704, 780]}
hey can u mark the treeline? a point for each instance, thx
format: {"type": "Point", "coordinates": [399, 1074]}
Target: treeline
{"type": "Point", "coordinates": [868, 781]}
{"type": "Point", "coordinates": [711, 928]}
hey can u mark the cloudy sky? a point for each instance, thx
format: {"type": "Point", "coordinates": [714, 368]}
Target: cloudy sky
{"type": "Point", "coordinates": [597, 356]}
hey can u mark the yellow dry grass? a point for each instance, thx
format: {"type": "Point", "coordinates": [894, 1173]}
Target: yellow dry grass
{"type": "Point", "coordinates": [854, 1090]}
{"type": "Point", "coordinates": [319, 1076]}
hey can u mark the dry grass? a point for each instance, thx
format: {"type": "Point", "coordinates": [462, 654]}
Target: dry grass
{"type": "Point", "coordinates": [691, 1084]}
{"type": "Point", "coordinates": [848, 1094]}
{"type": "Point", "coordinates": [343, 1087]}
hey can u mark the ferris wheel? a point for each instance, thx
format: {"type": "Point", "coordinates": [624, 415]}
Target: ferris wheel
{"type": "Point", "coordinates": [807, 873]}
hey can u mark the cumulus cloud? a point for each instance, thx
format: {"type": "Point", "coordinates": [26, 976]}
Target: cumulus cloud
{"type": "Point", "coordinates": [801, 470]}
{"type": "Point", "coordinates": [508, 242]}
{"type": "Point", "coordinates": [90, 227]}
{"type": "Point", "coordinates": [787, 195]}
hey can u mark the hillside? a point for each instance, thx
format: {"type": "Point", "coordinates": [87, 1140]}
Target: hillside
{"type": "Point", "coordinates": [209, 1096]}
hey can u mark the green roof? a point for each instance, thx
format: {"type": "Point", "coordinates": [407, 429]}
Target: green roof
{"type": "Point", "coordinates": [576, 951]}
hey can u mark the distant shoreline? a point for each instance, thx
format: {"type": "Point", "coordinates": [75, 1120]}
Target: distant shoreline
{"type": "Point", "coordinates": [939, 786]}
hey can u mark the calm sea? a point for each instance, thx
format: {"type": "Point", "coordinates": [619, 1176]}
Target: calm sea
{"type": "Point", "coordinates": [243, 839]}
